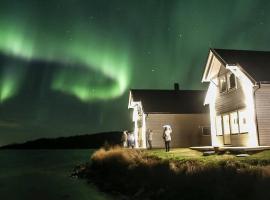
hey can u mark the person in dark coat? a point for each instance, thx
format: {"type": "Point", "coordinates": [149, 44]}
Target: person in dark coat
{"type": "Point", "coordinates": [150, 138]}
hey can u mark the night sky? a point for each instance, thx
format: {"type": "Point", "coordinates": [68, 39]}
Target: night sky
{"type": "Point", "coordinates": [66, 65]}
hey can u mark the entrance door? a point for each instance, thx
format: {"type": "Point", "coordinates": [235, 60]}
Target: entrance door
{"type": "Point", "coordinates": [226, 129]}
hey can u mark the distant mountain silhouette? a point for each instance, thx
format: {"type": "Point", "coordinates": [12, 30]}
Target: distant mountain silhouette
{"type": "Point", "coordinates": [73, 142]}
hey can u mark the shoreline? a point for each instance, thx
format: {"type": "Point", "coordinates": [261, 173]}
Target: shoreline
{"type": "Point", "coordinates": [137, 174]}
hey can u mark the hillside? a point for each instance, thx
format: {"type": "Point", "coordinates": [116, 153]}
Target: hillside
{"type": "Point", "coordinates": [73, 142]}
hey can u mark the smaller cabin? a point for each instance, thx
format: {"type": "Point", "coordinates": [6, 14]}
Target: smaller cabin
{"type": "Point", "coordinates": [183, 110]}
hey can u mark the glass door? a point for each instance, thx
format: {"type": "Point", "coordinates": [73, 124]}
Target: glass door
{"type": "Point", "coordinates": [226, 129]}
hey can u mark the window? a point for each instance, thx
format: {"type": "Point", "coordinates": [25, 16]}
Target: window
{"type": "Point", "coordinates": [222, 84]}
{"type": "Point", "coordinates": [243, 125]}
{"type": "Point", "coordinates": [206, 131]}
{"type": "Point", "coordinates": [226, 124]}
{"type": "Point", "coordinates": [231, 81]}
{"type": "Point", "coordinates": [219, 125]}
{"type": "Point", "coordinates": [234, 122]}
{"type": "Point", "coordinates": [227, 82]}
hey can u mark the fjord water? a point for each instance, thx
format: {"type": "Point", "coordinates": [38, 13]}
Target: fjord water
{"type": "Point", "coordinates": [44, 175]}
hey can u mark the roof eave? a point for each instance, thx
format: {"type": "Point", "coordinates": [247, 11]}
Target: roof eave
{"type": "Point", "coordinates": [207, 65]}
{"type": "Point", "coordinates": [229, 66]}
{"type": "Point", "coordinates": [204, 79]}
{"type": "Point", "coordinates": [176, 113]}
{"type": "Point", "coordinates": [264, 82]}
{"type": "Point", "coordinates": [131, 102]}
{"type": "Point", "coordinates": [235, 64]}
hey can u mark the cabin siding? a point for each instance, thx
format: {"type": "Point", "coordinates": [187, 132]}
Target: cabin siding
{"type": "Point", "coordinates": [231, 100]}
{"type": "Point", "coordinates": [220, 140]}
{"type": "Point", "coordinates": [240, 139]}
{"type": "Point", "coordinates": [262, 96]}
{"type": "Point", "coordinates": [236, 140]}
{"type": "Point", "coordinates": [186, 129]}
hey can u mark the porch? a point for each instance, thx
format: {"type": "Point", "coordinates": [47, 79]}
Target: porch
{"type": "Point", "coordinates": [231, 148]}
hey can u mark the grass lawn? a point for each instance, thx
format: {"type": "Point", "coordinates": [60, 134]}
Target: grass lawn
{"type": "Point", "coordinates": [184, 154]}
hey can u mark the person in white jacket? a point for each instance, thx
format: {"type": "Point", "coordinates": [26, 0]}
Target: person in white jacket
{"type": "Point", "coordinates": [124, 139]}
{"type": "Point", "coordinates": [167, 137]}
{"type": "Point", "coordinates": [132, 140]}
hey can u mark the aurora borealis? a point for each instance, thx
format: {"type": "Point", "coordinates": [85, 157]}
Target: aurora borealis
{"type": "Point", "coordinates": [82, 47]}
{"type": "Point", "coordinates": [66, 65]}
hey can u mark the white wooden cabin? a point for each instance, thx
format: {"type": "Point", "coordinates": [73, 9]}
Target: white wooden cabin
{"type": "Point", "coordinates": [183, 110]}
{"type": "Point", "coordinates": [238, 97]}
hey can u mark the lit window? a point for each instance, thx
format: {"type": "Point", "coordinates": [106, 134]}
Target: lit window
{"type": "Point", "coordinates": [234, 123]}
{"type": "Point", "coordinates": [243, 121]}
{"type": "Point", "coordinates": [226, 124]}
{"type": "Point", "coordinates": [219, 125]}
{"type": "Point", "coordinates": [231, 81]}
{"type": "Point", "coordinates": [223, 84]}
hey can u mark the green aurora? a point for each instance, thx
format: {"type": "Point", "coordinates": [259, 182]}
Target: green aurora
{"type": "Point", "coordinates": [73, 48]}
{"type": "Point", "coordinates": [66, 66]}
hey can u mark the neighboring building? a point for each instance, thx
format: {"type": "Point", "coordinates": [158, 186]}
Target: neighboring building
{"type": "Point", "coordinates": [238, 97]}
{"type": "Point", "coordinates": [183, 110]}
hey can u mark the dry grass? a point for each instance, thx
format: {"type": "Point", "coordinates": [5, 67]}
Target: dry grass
{"type": "Point", "coordinates": [116, 154]}
{"type": "Point", "coordinates": [180, 174]}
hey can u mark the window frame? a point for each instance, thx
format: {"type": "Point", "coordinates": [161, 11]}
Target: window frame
{"type": "Point", "coordinates": [232, 121]}
{"type": "Point", "coordinates": [245, 131]}
{"type": "Point", "coordinates": [229, 119]}
{"type": "Point", "coordinates": [221, 125]}
{"type": "Point", "coordinates": [228, 77]}
{"type": "Point", "coordinates": [220, 83]}
{"type": "Point", "coordinates": [202, 131]}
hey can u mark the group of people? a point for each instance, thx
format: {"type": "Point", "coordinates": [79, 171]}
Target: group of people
{"type": "Point", "coordinates": [166, 137]}
{"type": "Point", "coordinates": [128, 139]}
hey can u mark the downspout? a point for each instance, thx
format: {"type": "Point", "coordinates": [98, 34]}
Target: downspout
{"type": "Point", "coordinates": [256, 118]}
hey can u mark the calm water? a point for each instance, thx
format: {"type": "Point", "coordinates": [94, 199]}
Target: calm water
{"type": "Point", "coordinates": [44, 174]}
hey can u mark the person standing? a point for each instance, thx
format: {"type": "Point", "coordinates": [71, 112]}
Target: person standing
{"type": "Point", "coordinates": [124, 139]}
{"type": "Point", "coordinates": [132, 140]}
{"type": "Point", "coordinates": [167, 137]}
{"type": "Point", "coordinates": [128, 140]}
{"type": "Point", "coordinates": [150, 138]}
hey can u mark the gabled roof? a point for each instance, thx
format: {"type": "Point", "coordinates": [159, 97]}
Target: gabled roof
{"type": "Point", "coordinates": [255, 63]}
{"type": "Point", "coordinates": [170, 101]}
